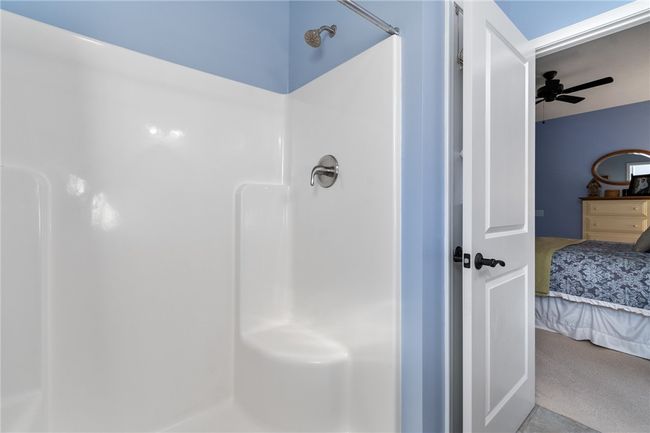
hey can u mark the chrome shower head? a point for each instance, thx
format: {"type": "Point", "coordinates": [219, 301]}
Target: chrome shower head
{"type": "Point", "coordinates": [312, 37]}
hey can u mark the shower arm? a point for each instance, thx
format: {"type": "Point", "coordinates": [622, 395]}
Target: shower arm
{"type": "Point", "coordinates": [331, 30]}
{"type": "Point", "coordinates": [365, 13]}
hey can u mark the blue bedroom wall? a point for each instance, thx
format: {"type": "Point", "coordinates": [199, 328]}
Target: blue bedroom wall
{"type": "Point", "coordinates": [565, 150]}
{"type": "Point", "coordinates": [536, 18]}
{"type": "Point", "coordinates": [247, 41]}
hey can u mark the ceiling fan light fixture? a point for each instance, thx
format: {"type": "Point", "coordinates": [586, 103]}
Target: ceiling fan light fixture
{"type": "Point", "coordinates": [553, 89]}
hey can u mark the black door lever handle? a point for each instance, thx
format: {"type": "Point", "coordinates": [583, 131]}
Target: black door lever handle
{"type": "Point", "coordinates": [479, 262]}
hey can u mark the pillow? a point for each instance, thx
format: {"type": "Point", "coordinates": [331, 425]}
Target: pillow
{"type": "Point", "coordinates": [642, 244]}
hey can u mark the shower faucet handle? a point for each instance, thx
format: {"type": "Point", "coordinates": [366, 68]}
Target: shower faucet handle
{"type": "Point", "coordinates": [321, 170]}
{"type": "Point", "coordinates": [326, 172]}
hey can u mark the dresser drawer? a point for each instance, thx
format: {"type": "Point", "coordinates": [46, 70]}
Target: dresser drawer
{"type": "Point", "coordinates": [617, 207]}
{"type": "Point", "coordinates": [628, 238]}
{"type": "Point", "coordinates": [623, 224]}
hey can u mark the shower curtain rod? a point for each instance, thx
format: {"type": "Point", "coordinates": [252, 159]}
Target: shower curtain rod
{"type": "Point", "coordinates": [365, 13]}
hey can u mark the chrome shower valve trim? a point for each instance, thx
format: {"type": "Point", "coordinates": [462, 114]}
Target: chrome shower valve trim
{"type": "Point", "coordinates": [326, 172]}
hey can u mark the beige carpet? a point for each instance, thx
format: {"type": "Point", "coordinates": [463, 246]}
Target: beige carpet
{"type": "Point", "coordinates": [606, 390]}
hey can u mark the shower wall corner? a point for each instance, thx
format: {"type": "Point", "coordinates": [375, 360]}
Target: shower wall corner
{"type": "Point", "coordinates": [335, 303]}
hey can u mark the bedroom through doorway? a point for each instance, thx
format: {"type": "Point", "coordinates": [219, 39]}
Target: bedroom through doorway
{"type": "Point", "coordinates": [592, 304]}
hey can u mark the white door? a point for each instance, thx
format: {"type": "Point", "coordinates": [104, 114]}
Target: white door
{"type": "Point", "coordinates": [498, 222]}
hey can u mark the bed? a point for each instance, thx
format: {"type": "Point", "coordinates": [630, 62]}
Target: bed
{"type": "Point", "coordinates": [594, 290]}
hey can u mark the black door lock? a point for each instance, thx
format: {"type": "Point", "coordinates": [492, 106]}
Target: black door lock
{"type": "Point", "coordinates": [479, 262]}
{"type": "Point", "coordinates": [460, 257]}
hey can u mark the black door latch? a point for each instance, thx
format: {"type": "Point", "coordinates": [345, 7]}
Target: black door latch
{"type": "Point", "coordinates": [460, 257]}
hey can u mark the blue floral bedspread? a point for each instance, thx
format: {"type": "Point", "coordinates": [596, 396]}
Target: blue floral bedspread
{"type": "Point", "coordinates": [603, 271]}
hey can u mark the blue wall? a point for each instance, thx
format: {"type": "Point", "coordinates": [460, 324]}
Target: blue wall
{"type": "Point", "coordinates": [353, 36]}
{"type": "Point", "coordinates": [536, 18]}
{"type": "Point", "coordinates": [566, 149]}
{"type": "Point", "coordinates": [247, 41]}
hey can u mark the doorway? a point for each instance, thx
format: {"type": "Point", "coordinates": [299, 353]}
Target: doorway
{"type": "Point", "coordinates": [569, 37]}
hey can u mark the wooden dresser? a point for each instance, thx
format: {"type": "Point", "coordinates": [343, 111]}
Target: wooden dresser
{"type": "Point", "coordinates": [621, 219]}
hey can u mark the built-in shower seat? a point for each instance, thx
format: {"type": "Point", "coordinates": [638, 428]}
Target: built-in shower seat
{"type": "Point", "coordinates": [292, 378]}
{"type": "Point", "coordinates": [288, 376]}
{"type": "Point", "coordinates": [295, 343]}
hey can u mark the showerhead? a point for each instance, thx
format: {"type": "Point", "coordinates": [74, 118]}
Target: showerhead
{"type": "Point", "coordinates": [312, 37]}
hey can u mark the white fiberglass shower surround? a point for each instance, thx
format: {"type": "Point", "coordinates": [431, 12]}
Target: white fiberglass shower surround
{"type": "Point", "coordinates": [166, 264]}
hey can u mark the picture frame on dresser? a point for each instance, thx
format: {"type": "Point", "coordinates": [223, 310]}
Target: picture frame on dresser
{"type": "Point", "coordinates": [639, 185]}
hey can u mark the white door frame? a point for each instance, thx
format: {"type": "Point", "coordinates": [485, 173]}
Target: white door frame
{"type": "Point", "coordinates": [450, 121]}
{"type": "Point", "coordinates": [615, 20]}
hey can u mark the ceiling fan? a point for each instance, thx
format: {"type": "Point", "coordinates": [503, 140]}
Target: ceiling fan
{"type": "Point", "coordinates": [553, 90]}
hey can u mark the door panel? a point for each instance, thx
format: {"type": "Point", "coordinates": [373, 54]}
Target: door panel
{"type": "Point", "coordinates": [498, 168]}
{"type": "Point", "coordinates": [505, 168]}
{"type": "Point", "coordinates": [506, 325]}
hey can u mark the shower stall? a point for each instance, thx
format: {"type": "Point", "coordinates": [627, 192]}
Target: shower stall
{"type": "Point", "coordinates": [166, 263]}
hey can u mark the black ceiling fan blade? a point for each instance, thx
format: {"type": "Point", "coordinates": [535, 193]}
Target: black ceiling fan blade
{"type": "Point", "coordinates": [589, 85]}
{"type": "Point", "coordinates": [569, 99]}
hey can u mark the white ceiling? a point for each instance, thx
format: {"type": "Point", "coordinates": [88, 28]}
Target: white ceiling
{"type": "Point", "coordinates": [625, 56]}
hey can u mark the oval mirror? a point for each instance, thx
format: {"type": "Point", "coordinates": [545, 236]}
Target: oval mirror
{"type": "Point", "coordinates": [617, 168]}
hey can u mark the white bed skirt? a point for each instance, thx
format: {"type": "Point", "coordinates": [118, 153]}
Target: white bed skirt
{"type": "Point", "coordinates": [615, 329]}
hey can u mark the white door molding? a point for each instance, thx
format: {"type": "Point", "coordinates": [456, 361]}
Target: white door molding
{"type": "Point", "coordinates": [615, 20]}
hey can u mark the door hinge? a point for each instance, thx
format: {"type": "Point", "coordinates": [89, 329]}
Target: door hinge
{"type": "Point", "coordinates": [459, 48]}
